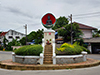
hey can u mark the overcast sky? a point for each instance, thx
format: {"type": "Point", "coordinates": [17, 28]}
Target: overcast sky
{"type": "Point", "coordinates": [14, 14]}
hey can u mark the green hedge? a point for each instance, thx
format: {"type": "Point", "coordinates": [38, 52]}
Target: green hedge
{"type": "Point", "coordinates": [29, 50]}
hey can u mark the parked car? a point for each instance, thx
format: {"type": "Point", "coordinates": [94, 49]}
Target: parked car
{"type": "Point", "coordinates": [31, 43]}
{"type": "Point", "coordinates": [98, 51]}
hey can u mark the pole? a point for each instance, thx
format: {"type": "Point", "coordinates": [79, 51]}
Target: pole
{"type": "Point", "coordinates": [71, 30]}
{"type": "Point", "coordinates": [26, 33]}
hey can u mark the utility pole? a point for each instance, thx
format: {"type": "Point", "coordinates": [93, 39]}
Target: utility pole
{"type": "Point", "coordinates": [71, 29]}
{"type": "Point", "coordinates": [26, 32]}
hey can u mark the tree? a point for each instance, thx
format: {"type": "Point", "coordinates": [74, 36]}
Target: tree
{"type": "Point", "coordinates": [61, 21]}
{"type": "Point", "coordinates": [0, 32]}
{"type": "Point", "coordinates": [96, 33]}
{"type": "Point", "coordinates": [23, 41]}
{"type": "Point", "coordinates": [14, 42]}
{"type": "Point", "coordinates": [66, 32]}
{"type": "Point", "coordinates": [4, 42]}
{"type": "Point", "coordinates": [37, 36]}
{"type": "Point", "coordinates": [31, 36]}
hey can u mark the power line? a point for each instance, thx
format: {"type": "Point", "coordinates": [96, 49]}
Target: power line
{"type": "Point", "coordinates": [87, 14]}
{"type": "Point", "coordinates": [18, 28]}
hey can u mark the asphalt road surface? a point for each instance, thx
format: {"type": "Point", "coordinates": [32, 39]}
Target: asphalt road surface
{"type": "Point", "coordinates": [5, 55]}
{"type": "Point", "coordinates": [81, 71]}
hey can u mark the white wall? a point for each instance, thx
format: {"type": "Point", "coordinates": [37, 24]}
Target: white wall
{"type": "Point", "coordinates": [15, 33]}
{"type": "Point", "coordinates": [87, 33]}
{"type": "Point", "coordinates": [1, 39]}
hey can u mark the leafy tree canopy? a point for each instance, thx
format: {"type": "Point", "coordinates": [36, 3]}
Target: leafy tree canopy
{"type": "Point", "coordinates": [61, 21]}
{"type": "Point", "coordinates": [23, 41]}
{"type": "Point", "coordinates": [66, 31]}
{"type": "Point", "coordinates": [37, 36]}
{"type": "Point", "coordinates": [31, 36]}
{"type": "Point", "coordinates": [96, 33]}
{"type": "Point", "coordinates": [4, 42]}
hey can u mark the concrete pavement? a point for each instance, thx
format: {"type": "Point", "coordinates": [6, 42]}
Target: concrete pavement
{"type": "Point", "coordinates": [81, 71]}
{"type": "Point", "coordinates": [5, 55]}
{"type": "Point", "coordinates": [94, 56]}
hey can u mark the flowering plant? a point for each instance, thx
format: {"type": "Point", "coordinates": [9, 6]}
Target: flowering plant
{"type": "Point", "coordinates": [70, 49]}
{"type": "Point", "coordinates": [64, 46]}
{"type": "Point", "coordinates": [48, 41]}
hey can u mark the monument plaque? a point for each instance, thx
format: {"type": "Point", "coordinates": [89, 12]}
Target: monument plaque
{"type": "Point", "coordinates": [48, 20]}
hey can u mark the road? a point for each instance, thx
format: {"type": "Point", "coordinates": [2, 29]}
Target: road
{"type": "Point", "coordinates": [81, 71]}
{"type": "Point", "coordinates": [5, 55]}
{"type": "Point", "coordinates": [94, 56]}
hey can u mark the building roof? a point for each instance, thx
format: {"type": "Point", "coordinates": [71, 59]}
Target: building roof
{"type": "Point", "coordinates": [3, 33]}
{"type": "Point", "coordinates": [82, 26]}
{"type": "Point", "coordinates": [16, 31]}
{"type": "Point", "coordinates": [60, 39]}
{"type": "Point", "coordinates": [92, 40]}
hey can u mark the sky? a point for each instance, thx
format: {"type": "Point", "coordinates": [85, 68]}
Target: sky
{"type": "Point", "coordinates": [14, 14]}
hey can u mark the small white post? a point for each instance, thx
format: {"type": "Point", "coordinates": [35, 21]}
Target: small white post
{"type": "Point", "coordinates": [54, 58]}
{"type": "Point", "coordinates": [84, 55]}
{"type": "Point", "coordinates": [41, 58]}
{"type": "Point", "coordinates": [42, 54]}
{"type": "Point", "coordinates": [13, 56]}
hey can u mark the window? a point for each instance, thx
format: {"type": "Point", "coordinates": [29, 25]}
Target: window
{"type": "Point", "coordinates": [22, 35]}
{"type": "Point", "coordinates": [15, 33]}
{"type": "Point", "coordinates": [10, 37]}
{"type": "Point", "coordinates": [17, 37]}
{"type": "Point", "coordinates": [11, 32]}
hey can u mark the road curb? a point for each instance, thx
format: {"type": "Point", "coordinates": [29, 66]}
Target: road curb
{"type": "Point", "coordinates": [48, 67]}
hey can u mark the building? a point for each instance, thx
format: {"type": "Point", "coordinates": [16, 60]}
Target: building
{"type": "Point", "coordinates": [9, 35]}
{"type": "Point", "coordinates": [93, 43]}
{"type": "Point", "coordinates": [86, 30]}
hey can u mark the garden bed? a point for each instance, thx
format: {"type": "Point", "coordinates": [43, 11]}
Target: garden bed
{"type": "Point", "coordinates": [25, 59]}
{"type": "Point", "coordinates": [29, 54]}
{"type": "Point", "coordinates": [69, 59]}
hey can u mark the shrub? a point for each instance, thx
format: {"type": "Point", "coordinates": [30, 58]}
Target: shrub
{"type": "Point", "coordinates": [84, 49]}
{"type": "Point", "coordinates": [67, 45]}
{"type": "Point", "coordinates": [9, 48]}
{"type": "Point", "coordinates": [69, 49]}
{"type": "Point", "coordinates": [1, 47]}
{"type": "Point", "coordinates": [29, 50]}
{"type": "Point", "coordinates": [13, 43]}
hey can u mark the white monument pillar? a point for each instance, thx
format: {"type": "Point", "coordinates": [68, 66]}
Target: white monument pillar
{"type": "Point", "coordinates": [49, 21]}
{"type": "Point", "coordinates": [49, 35]}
